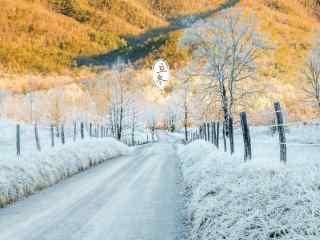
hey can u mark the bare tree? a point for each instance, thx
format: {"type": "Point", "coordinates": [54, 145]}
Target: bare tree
{"type": "Point", "coordinates": [57, 111]}
{"type": "Point", "coordinates": [119, 96]}
{"type": "Point", "coordinates": [184, 93]}
{"type": "Point", "coordinates": [133, 116]}
{"type": "Point", "coordinates": [226, 49]}
{"type": "Point", "coordinates": [312, 74]}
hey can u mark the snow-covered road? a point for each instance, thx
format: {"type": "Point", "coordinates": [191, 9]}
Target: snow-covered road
{"type": "Point", "coordinates": [129, 198]}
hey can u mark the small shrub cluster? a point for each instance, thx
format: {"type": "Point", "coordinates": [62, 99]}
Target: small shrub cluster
{"type": "Point", "coordinates": [70, 8]}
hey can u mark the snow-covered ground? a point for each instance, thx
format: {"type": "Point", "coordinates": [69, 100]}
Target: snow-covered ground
{"type": "Point", "coordinates": [260, 199]}
{"type": "Point", "coordinates": [28, 144]}
{"type": "Point", "coordinates": [128, 198]}
{"type": "Point", "coordinates": [34, 170]}
{"type": "Point", "coordinates": [37, 170]}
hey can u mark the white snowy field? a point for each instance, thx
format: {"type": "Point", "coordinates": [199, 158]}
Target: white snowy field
{"type": "Point", "coordinates": [259, 199]}
{"type": "Point", "coordinates": [33, 171]}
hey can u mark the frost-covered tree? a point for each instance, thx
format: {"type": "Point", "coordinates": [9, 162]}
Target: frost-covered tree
{"type": "Point", "coordinates": [119, 96]}
{"type": "Point", "coordinates": [183, 96]}
{"type": "Point", "coordinates": [312, 74]}
{"type": "Point", "coordinates": [226, 49]}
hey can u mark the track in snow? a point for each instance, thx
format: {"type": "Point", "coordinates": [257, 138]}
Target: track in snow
{"type": "Point", "coordinates": [129, 198]}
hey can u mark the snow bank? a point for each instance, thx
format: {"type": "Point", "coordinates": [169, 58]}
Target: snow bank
{"type": "Point", "coordinates": [233, 200]}
{"type": "Point", "coordinates": [22, 177]}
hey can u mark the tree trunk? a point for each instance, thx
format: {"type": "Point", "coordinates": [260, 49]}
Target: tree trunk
{"type": "Point", "coordinates": [120, 124]}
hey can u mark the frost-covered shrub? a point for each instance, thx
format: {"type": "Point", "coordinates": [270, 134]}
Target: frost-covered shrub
{"type": "Point", "coordinates": [253, 201]}
{"type": "Point", "coordinates": [22, 177]}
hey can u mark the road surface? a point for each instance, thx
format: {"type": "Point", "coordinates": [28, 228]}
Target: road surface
{"type": "Point", "coordinates": [136, 197]}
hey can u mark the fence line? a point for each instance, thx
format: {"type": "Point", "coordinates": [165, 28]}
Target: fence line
{"type": "Point", "coordinates": [279, 127]}
{"type": "Point", "coordinates": [63, 133]}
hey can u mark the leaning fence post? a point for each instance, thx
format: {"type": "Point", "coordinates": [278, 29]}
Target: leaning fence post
{"type": "Point", "coordinates": [52, 135]}
{"type": "Point", "coordinates": [36, 135]}
{"type": "Point", "coordinates": [282, 136]}
{"type": "Point", "coordinates": [18, 142]}
{"type": "Point", "coordinates": [246, 136]}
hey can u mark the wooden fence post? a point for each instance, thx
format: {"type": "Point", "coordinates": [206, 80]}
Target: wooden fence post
{"type": "Point", "coordinates": [246, 136]}
{"type": "Point", "coordinates": [18, 140]}
{"type": "Point", "coordinates": [231, 136]}
{"type": "Point", "coordinates": [213, 133]}
{"type": "Point", "coordinates": [282, 136]}
{"type": "Point", "coordinates": [74, 131]}
{"type": "Point", "coordinates": [217, 134]}
{"type": "Point", "coordinates": [90, 129]}
{"type": "Point", "coordinates": [208, 131]}
{"type": "Point", "coordinates": [57, 130]}
{"type": "Point", "coordinates": [62, 134]}
{"type": "Point", "coordinates": [203, 130]}
{"type": "Point", "coordinates": [82, 130]}
{"type": "Point", "coordinates": [36, 135]}
{"type": "Point", "coordinates": [52, 135]}
{"type": "Point", "coordinates": [224, 133]}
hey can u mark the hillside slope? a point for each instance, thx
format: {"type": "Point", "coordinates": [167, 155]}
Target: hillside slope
{"type": "Point", "coordinates": [45, 36]}
{"type": "Point", "coordinates": [33, 38]}
{"type": "Point", "coordinates": [291, 26]}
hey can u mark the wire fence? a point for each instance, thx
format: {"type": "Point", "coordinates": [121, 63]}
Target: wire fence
{"type": "Point", "coordinates": [274, 137]}
{"type": "Point", "coordinates": [21, 139]}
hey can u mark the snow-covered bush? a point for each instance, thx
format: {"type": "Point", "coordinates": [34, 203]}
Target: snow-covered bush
{"type": "Point", "coordinates": [233, 200]}
{"type": "Point", "coordinates": [22, 177]}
